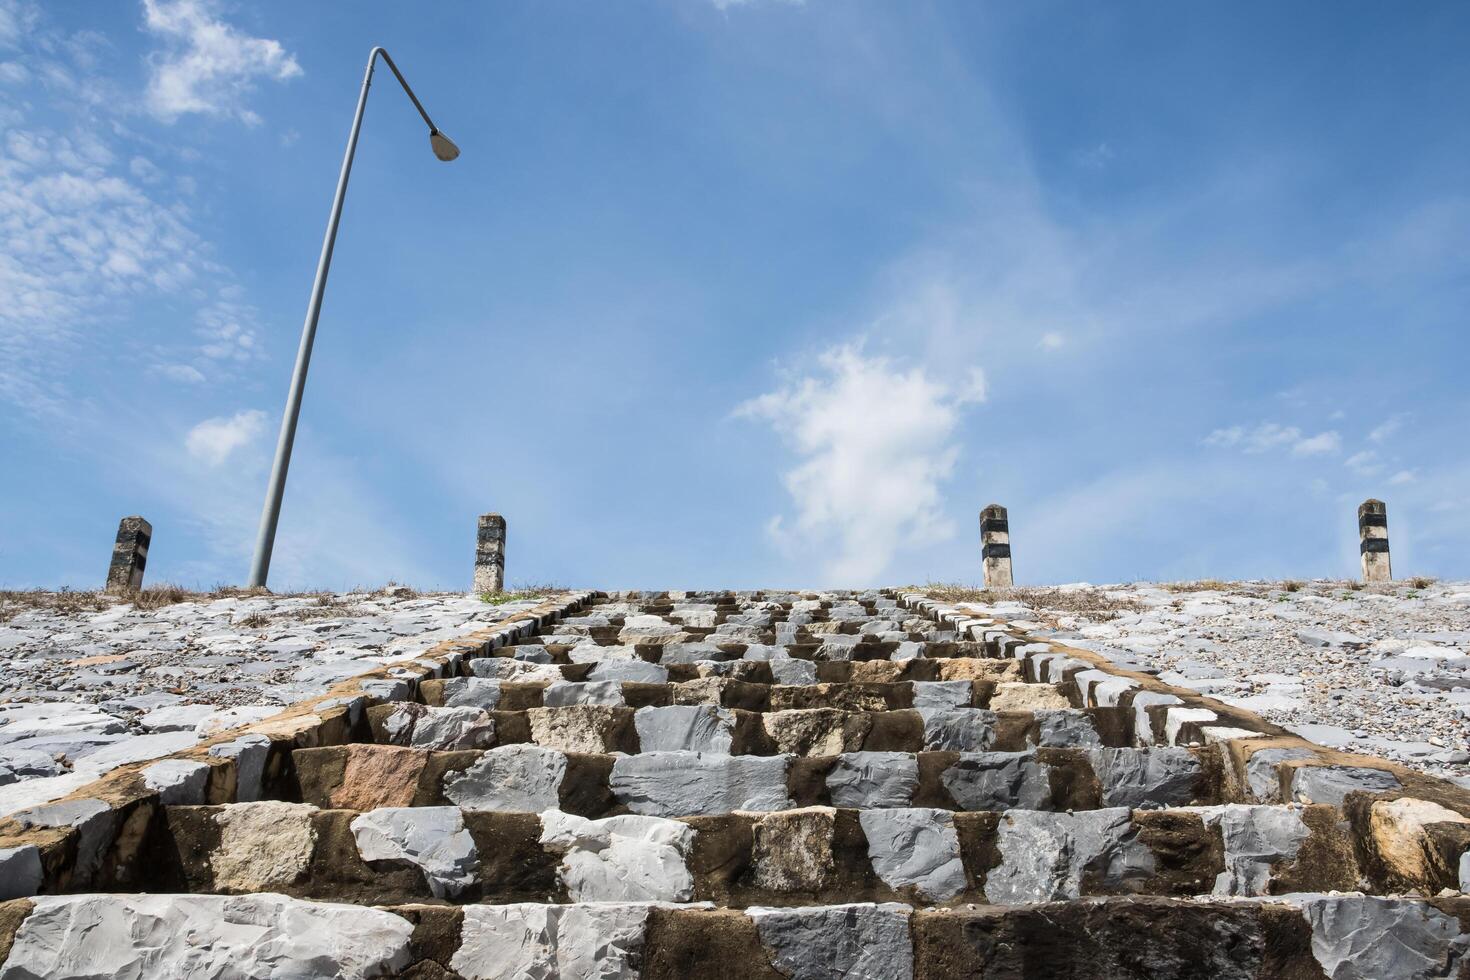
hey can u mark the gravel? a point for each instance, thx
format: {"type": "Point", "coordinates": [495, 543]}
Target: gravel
{"type": "Point", "coordinates": [83, 690]}
{"type": "Point", "coordinates": [1383, 670]}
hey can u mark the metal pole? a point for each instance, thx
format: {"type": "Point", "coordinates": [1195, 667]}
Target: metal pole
{"type": "Point", "coordinates": [265, 541]}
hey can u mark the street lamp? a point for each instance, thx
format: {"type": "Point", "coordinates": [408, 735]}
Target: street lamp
{"type": "Point", "coordinates": [444, 149]}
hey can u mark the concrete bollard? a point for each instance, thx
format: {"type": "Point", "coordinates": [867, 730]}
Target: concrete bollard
{"type": "Point", "coordinates": [995, 547]}
{"type": "Point", "coordinates": [1373, 541]}
{"type": "Point", "coordinates": [490, 554]}
{"type": "Point", "coordinates": [129, 555]}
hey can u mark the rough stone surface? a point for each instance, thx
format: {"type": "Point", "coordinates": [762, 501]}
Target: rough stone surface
{"type": "Point", "coordinates": [1261, 771]}
{"type": "Point", "coordinates": [998, 781]}
{"type": "Point", "coordinates": [626, 858]}
{"type": "Point", "coordinates": [1153, 777]}
{"type": "Point", "coordinates": [870, 780]}
{"type": "Point", "coordinates": [915, 847]}
{"type": "Point", "coordinates": [792, 850]}
{"type": "Point", "coordinates": [838, 942]}
{"type": "Point", "coordinates": [178, 781]}
{"type": "Point", "coordinates": [1330, 784]}
{"type": "Point", "coordinates": [20, 871]}
{"type": "Point", "coordinates": [1398, 831]}
{"type": "Point", "coordinates": [581, 728]}
{"type": "Point", "coordinates": [432, 838]}
{"type": "Point", "coordinates": [472, 692]}
{"type": "Point", "coordinates": [678, 784]}
{"type": "Point", "coordinates": [512, 778]}
{"type": "Point", "coordinates": [514, 942]}
{"type": "Point", "coordinates": [1044, 856]}
{"type": "Point", "coordinates": [250, 937]}
{"type": "Point", "coordinates": [249, 753]}
{"type": "Point", "coordinates": [1357, 937]}
{"type": "Point", "coordinates": [958, 729]}
{"type": "Point", "coordinates": [1255, 838]}
{"type": "Point", "coordinates": [420, 726]}
{"type": "Point", "coordinates": [1017, 696]}
{"type": "Point", "coordinates": [685, 727]}
{"type": "Point", "coordinates": [1070, 728]}
{"type": "Point", "coordinates": [262, 845]}
{"type": "Point", "coordinates": [812, 731]}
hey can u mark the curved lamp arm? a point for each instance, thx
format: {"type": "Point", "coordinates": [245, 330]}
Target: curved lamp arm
{"type": "Point", "coordinates": [444, 149]}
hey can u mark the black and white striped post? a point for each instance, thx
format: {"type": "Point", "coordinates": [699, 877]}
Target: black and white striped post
{"type": "Point", "coordinates": [490, 554]}
{"type": "Point", "coordinates": [129, 555]}
{"type": "Point", "coordinates": [995, 547]}
{"type": "Point", "coordinates": [1373, 541]}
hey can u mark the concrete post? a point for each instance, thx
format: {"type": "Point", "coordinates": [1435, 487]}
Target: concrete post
{"type": "Point", "coordinates": [995, 547]}
{"type": "Point", "coordinates": [129, 555]}
{"type": "Point", "coordinates": [1373, 541]}
{"type": "Point", "coordinates": [490, 554]}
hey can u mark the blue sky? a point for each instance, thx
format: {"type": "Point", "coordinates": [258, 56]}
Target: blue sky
{"type": "Point", "coordinates": [738, 294]}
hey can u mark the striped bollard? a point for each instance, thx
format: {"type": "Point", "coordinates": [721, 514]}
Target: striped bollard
{"type": "Point", "coordinates": [490, 554]}
{"type": "Point", "coordinates": [1373, 541]}
{"type": "Point", "coordinates": [129, 555]}
{"type": "Point", "coordinates": [995, 547]}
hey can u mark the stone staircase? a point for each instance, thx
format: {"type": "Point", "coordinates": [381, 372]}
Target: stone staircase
{"type": "Point", "coordinates": [758, 785]}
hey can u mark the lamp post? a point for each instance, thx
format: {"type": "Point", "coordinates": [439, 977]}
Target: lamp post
{"type": "Point", "coordinates": [444, 149]}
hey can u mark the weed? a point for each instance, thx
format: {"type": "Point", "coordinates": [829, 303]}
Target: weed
{"type": "Point", "coordinates": [1421, 582]}
{"type": "Point", "coordinates": [1292, 585]}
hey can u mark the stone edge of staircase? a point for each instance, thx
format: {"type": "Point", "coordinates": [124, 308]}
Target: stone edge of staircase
{"type": "Point", "coordinates": [109, 816]}
{"type": "Point", "coordinates": [1417, 835]}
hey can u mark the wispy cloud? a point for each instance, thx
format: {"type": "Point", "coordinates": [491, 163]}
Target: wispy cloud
{"type": "Point", "coordinates": [206, 65]}
{"type": "Point", "coordinates": [875, 441]}
{"type": "Point", "coordinates": [1270, 436]}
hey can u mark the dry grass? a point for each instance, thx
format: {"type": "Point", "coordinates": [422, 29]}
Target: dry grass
{"type": "Point", "coordinates": [1203, 585]}
{"type": "Point", "coordinates": [1421, 582]}
{"type": "Point", "coordinates": [521, 590]}
{"type": "Point", "coordinates": [1092, 603]}
{"type": "Point", "coordinates": [66, 602]}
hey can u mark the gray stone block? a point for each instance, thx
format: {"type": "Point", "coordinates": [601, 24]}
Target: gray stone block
{"type": "Point", "coordinates": [685, 727]}
{"type": "Point", "coordinates": [560, 694]}
{"type": "Point", "coordinates": [1045, 856]}
{"type": "Point", "coordinates": [1359, 937]}
{"type": "Point", "coordinates": [838, 942]}
{"type": "Point", "coordinates": [998, 781]}
{"type": "Point", "coordinates": [915, 847]}
{"type": "Point", "coordinates": [677, 784]}
{"type": "Point", "coordinates": [871, 780]}
{"type": "Point", "coordinates": [958, 729]}
{"type": "Point", "coordinates": [1142, 778]}
{"type": "Point", "coordinates": [1330, 784]}
{"type": "Point", "coordinates": [432, 838]}
{"type": "Point", "coordinates": [510, 779]}
{"type": "Point", "coordinates": [1065, 728]}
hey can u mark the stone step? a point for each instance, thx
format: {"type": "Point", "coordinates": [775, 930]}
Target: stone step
{"type": "Point", "coordinates": [986, 674]}
{"type": "Point", "coordinates": [518, 695]}
{"type": "Point", "coordinates": [812, 855]}
{"type": "Point", "coordinates": [1300, 936]}
{"type": "Point", "coordinates": [706, 728]}
{"type": "Point", "coordinates": [678, 784]}
{"type": "Point", "coordinates": [554, 648]}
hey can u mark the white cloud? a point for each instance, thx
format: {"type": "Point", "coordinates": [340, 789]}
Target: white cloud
{"type": "Point", "coordinates": [213, 440]}
{"type": "Point", "coordinates": [1269, 436]}
{"type": "Point", "coordinates": [1403, 476]}
{"type": "Point", "coordinates": [1052, 341]}
{"type": "Point", "coordinates": [875, 442]}
{"type": "Point", "coordinates": [1319, 445]}
{"type": "Point", "coordinates": [1364, 463]}
{"type": "Point", "coordinates": [207, 66]}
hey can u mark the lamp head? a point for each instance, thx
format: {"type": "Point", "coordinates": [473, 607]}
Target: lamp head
{"type": "Point", "coordinates": [444, 147]}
